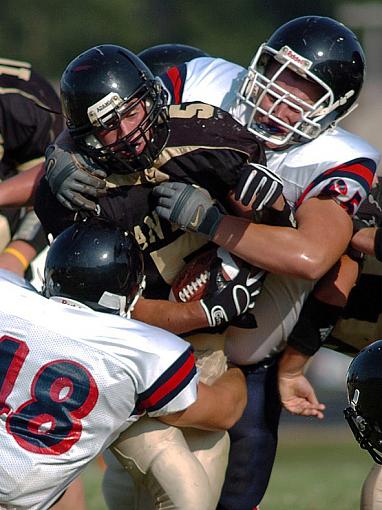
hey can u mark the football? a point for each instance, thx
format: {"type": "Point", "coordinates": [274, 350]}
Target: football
{"type": "Point", "coordinates": [193, 281]}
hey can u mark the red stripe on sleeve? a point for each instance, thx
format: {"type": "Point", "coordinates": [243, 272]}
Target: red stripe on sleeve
{"type": "Point", "coordinates": [170, 384]}
{"type": "Point", "coordinates": [176, 81]}
{"type": "Point", "coordinates": [357, 169]}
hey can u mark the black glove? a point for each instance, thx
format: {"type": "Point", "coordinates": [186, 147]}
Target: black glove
{"type": "Point", "coordinates": [233, 298]}
{"type": "Point", "coordinates": [189, 206]}
{"type": "Point", "coordinates": [259, 186]}
{"type": "Point", "coordinates": [71, 176]}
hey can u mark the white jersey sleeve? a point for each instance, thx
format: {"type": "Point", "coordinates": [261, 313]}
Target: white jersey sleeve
{"type": "Point", "coordinates": [338, 164]}
{"type": "Point", "coordinates": [71, 380]}
{"type": "Point", "coordinates": [210, 80]}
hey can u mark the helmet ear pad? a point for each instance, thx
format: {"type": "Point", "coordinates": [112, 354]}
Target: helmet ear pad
{"type": "Point", "coordinates": [96, 263]}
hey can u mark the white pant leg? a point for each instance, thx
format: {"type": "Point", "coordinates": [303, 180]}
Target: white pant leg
{"type": "Point", "coordinates": [371, 496]}
{"type": "Point", "coordinates": [158, 457]}
{"type": "Point", "coordinates": [183, 469]}
{"type": "Point", "coordinates": [211, 449]}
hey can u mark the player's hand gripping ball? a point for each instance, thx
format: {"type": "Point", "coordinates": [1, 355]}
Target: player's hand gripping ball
{"type": "Point", "coordinates": [225, 285]}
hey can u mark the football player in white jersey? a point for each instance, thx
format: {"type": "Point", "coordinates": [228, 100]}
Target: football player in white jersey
{"type": "Point", "coordinates": [75, 371]}
{"type": "Point", "coordinates": [297, 88]}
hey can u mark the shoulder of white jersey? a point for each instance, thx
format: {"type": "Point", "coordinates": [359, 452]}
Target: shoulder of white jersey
{"type": "Point", "coordinates": [336, 155]}
{"type": "Point", "coordinates": [210, 80]}
{"type": "Point", "coordinates": [207, 65]}
{"type": "Point", "coordinates": [328, 150]}
{"type": "Point", "coordinates": [161, 364]}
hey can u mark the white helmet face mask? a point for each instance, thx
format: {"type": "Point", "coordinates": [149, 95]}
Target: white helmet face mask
{"type": "Point", "coordinates": [257, 85]}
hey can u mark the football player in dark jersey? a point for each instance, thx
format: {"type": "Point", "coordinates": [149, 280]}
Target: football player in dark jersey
{"type": "Point", "coordinates": [118, 120]}
{"type": "Point", "coordinates": [28, 123]}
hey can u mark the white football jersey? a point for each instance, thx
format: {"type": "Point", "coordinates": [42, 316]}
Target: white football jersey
{"type": "Point", "coordinates": [72, 379]}
{"type": "Point", "coordinates": [337, 163]}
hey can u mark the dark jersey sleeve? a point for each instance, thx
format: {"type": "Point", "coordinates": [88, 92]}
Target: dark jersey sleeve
{"type": "Point", "coordinates": [27, 124]}
{"type": "Point", "coordinates": [207, 147]}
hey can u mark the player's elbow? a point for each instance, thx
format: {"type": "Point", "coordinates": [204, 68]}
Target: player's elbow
{"type": "Point", "coordinates": [234, 413]}
{"type": "Point", "coordinates": [234, 405]}
{"type": "Point", "coordinates": [312, 265]}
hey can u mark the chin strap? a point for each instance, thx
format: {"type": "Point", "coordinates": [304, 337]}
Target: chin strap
{"type": "Point", "coordinates": [120, 304]}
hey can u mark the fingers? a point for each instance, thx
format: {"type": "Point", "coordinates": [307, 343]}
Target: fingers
{"type": "Point", "coordinates": [246, 186]}
{"type": "Point", "coordinates": [168, 188]}
{"type": "Point", "coordinates": [163, 212]}
{"type": "Point", "coordinates": [258, 186]}
{"type": "Point", "coordinates": [302, 407]}
{"type": "Point", "coordinates": [88, 180]}
{"type": "Point", "coordinates": [164, 202]}
{"type": "Point", "coordinates": [100, 174]}
{"type": "Point", "coordinates": [77, 201]}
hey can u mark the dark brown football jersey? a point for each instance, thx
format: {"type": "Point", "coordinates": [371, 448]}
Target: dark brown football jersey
{"type": "Point", "coordinates": [206, 147]}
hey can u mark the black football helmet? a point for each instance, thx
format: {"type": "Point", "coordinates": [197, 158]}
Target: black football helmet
{"type": "Point", "coordinates": [319, 49]}
{"type": "Point", "coordinates": [99, 88]}
{"type": "Point", "coordinates": [96, 263]}
{"type": "Point", "coordinates": [160, 58]}
{"type": "Point", "coordinates": [364, 388]}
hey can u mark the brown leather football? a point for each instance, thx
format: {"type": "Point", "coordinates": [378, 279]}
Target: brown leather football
{"type": "Point", "coordinates": [192, 282]}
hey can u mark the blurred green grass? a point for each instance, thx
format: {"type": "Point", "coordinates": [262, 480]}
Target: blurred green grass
{"type": "Point", "coordinates": [316, 467]}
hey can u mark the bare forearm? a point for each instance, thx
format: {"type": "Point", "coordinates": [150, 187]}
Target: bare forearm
{"type": "Point", "coordinates": [17, 256]}
{"type": "Point", "coordinates": [307, 251]}
{"type": "Point", "coordinates": [175, 317]}
{"type": "Point", "coordinates": [218, 407]}
{"type": "Point", "coordinates": [19, 190]}
{"type": "Point", "coordinates": [334, 288]}
{"type": "Point", "coordinates": [258, 244]}
{"type": "Point", "coordinates": [292, 362]}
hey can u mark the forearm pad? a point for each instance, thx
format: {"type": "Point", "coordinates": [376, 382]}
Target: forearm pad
{"type": "Point", "coordinates": [316, 322]}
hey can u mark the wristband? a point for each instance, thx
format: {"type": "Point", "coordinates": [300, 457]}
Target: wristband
{"type": "Point", "coordinates": [378, 244]}
{"type": "Point", "coordinates": [316, 322]}
{"type": "Point", "coordinates": [211, 221]}
{"type": "Point", "coordinates": [20, 257]}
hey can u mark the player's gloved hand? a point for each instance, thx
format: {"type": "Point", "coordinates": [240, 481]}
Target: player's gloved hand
{"type": "Point", "coordinates": [235, 298]}
{"type": "Point", "coordinates": [189, 206]}
{"type": "Point", "coordinates": [258, 186]}
{"type": "Point", "coordinates": [73, 177]}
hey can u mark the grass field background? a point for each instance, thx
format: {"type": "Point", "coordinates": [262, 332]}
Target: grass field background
{"type": "Point", "coordinates": [317, 466]}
